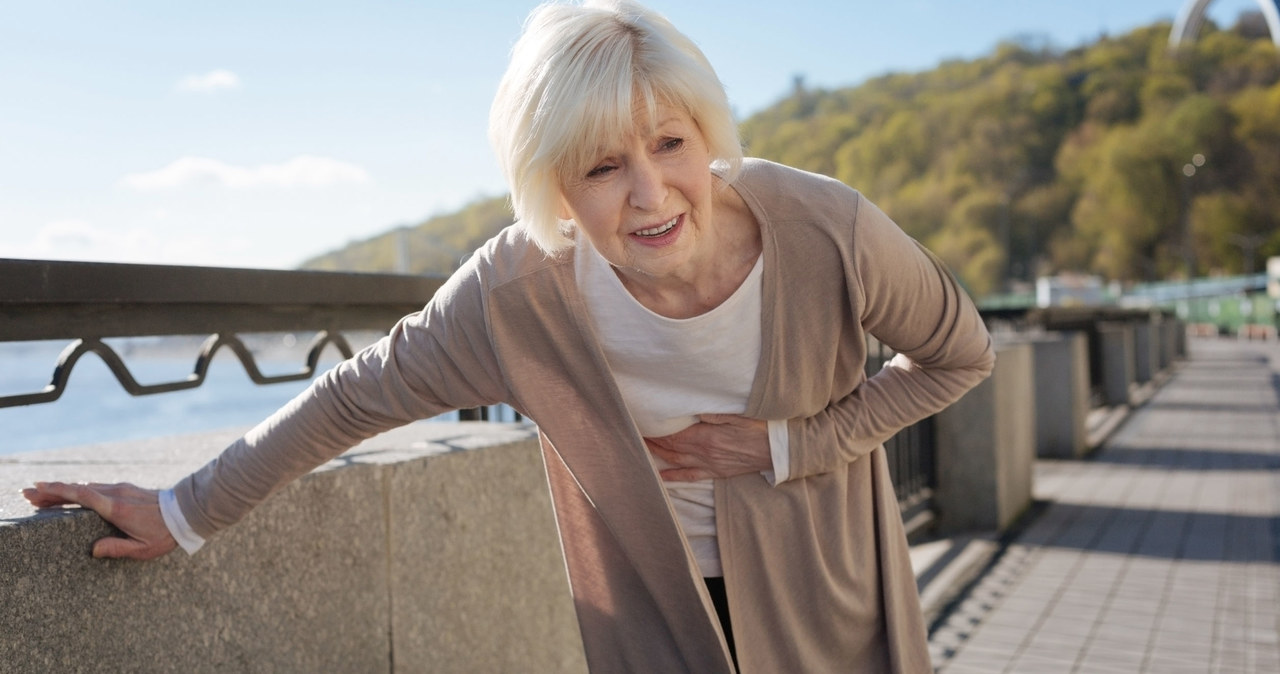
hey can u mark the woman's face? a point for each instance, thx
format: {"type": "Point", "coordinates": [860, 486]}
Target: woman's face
{"type": "Point", "coordinates": [645, 204]}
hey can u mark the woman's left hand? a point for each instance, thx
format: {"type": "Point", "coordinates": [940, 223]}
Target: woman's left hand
{"type": "Point", "coordinates": [719, 445]}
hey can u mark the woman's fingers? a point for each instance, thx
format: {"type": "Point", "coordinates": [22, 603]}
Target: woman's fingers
{"type": "Point", "coordinates": [50, 494]}
{"type": "Point", "coordinates": [133, 510]}
{"type": "Point", "coordinates": [53, 494]}
{"type": "Point", "coordinates": [42, 499]}
{"type": "Point", "coordinates": [128, 548]}
{"type": "Point", "coordinates": [719, 445]}
{"type": "Point", "coordinates": [685, 474]}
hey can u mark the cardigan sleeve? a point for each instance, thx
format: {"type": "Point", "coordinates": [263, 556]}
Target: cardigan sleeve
{"type": "Point", "coordinates": [432, 361]}
{"type": "Point", "coordinates": [909, 301]}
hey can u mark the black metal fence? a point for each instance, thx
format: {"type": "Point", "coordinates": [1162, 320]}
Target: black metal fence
{"type": "Point", "coordinates": [87, 303]}
{"type": "Point", "coordinates": [911, 455]}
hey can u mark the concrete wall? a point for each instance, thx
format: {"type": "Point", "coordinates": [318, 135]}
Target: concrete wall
{"type": "Point", "coordinates": [986, 447]}
{"type": "Point", "coordinates": [413, 552]}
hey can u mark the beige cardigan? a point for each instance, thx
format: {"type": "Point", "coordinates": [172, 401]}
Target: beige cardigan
{"type": "Point", "coordinates": [817, 568]}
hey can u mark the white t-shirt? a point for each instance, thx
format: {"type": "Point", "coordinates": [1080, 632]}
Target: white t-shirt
{"type": "Point", "coordinates": [671, 370]}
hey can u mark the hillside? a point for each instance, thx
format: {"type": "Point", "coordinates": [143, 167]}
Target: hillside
{"type": "Point", "coordinates": [436, 246]}
{"type": "Point", "coordinates": [1030, 160]}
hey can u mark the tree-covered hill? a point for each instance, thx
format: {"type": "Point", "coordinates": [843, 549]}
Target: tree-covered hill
{"type": "Point", "coordinates": [1033, 160]}
{"type": "Point", "coordinates": [436, 246]}
{"type": "Point", "coordinates": [1028, 161]}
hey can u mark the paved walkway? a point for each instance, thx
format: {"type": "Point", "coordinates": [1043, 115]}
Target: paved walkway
{"type": "Point", "coordinates": [1160, 553]}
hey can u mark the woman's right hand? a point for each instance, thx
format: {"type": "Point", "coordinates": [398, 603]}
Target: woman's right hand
{"type": "Point", "coordinates": [133, 510]}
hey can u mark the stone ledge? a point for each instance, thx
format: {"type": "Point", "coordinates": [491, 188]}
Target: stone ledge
{"type": "Point", "coordinates": [432, 547]}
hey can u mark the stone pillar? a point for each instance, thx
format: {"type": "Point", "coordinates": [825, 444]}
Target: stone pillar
{"type": "Point", "coordinates": [1145, 360]}
{"type": "Point", "coordinates": [1175, 346]}
{"type": "Point", "coordinates": [1061, 371]}
{"type": "Point", "coordinates": [1116, 349]}
{"type": "Point", "coordinates": [1160, 333]}
{"type": "Point", "coordinates": [986, 447]}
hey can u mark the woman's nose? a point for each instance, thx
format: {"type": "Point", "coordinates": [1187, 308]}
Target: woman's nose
{"type": "Point", "coordinates": [648, 186]}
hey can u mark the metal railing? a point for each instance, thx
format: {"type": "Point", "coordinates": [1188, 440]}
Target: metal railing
{"type": "Point", "coordinates": [87, 303]}
{"type": "Point", "coordinates": [911, 455]}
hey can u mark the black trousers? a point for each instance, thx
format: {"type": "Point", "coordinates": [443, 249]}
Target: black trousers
{"type": "Point", "coordinates": [720, 599]}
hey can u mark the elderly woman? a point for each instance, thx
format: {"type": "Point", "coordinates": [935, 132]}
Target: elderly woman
{"type": "Point", "coordinates": [688, 329]}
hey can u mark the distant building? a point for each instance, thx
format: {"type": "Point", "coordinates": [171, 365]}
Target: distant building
{"type": "Point", "coordinates": [1070, 290]}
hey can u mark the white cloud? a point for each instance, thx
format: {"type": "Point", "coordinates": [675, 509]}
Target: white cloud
{"type": "Point", "coordinates": [68, 235]}
{"type": "Point", "coordinates": [75, 239]}
{"type": "Point", "coordinates": [210, 82]}
{"type": "Point", "coordinates": [301, 171]}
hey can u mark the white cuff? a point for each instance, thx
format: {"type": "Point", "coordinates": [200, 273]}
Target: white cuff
{"type": "Point", "coordinates": [780, 450]}
{"type": "Point", "coordinates": [182, 532]}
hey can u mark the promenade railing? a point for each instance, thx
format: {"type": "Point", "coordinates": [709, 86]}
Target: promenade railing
{"type": "Point", "coordinates": [912, 456]}
{"type": "Point", "coordinates": [88, 304]}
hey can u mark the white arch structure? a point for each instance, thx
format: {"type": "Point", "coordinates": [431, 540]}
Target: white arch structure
{"type": "Point", "coordinates": [1187, 25]}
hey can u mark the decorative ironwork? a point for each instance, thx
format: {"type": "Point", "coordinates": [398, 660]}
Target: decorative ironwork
{"type": "Point", "coordinates": [71, 355]}
{"type": "Point", "coordinates": [86, 303]}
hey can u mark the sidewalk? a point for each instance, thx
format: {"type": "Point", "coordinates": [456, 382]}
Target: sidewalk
{"type": "Point", "coordinates": [1159, 553]}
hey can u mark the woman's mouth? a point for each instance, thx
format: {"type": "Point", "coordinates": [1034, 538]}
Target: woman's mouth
{"type": "Point", "coordinates": [654, 232]}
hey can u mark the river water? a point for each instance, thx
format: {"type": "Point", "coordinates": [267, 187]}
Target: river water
{"type": "Point", "coordinates": [94, 408]}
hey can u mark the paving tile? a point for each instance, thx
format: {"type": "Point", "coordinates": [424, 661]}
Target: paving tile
{"type": "Point", "coordinates": [995, 640]}
{"type": "Point", "coordinates": [991, 662]}
{"type": "Point", "coordinates": [1031, 663]}
{"type": "Point", "coordinates": [954, 667]}
{"type": "Point", "coordinates": [1113, 643]}
{"type": "Point", "coordinates": [1011, 620]}
{"type": "Point", "coordinates": [1262, 636]}
{"type": "Point", "coordinates": [1093, 661]}
{"type": "Point", "coordinates": [1043, 668]}
{"type": "Point", "coordinates": [1150, 605]}
{"type": "Point", "coordinates": [1104, 668]}
{"type": "Point", "coordinates": [1128, 652]}
{"type": "Point", "coordinates": [1267, 662]}
{"type": "Point", "coordinates": [1023, 604]}
{"type": "Point", "coordinates": [1189, 626]}
{"type": "Point", "coordinates": [1128, 620]}
{"type": "Point", "coordinates": [1182, 650]}
{"type": "Point", "coordinates": [1073, 628]}
{"type": "Point", "coordinates": [1076, 609]}
{"type": "Point", "coordinates": [1074, 600]}
{"type": "Point", "coordinates": [1177, 664]}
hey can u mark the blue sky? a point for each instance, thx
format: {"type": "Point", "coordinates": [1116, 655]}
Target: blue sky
{"type": "Point", "coordinates": [259, 133]}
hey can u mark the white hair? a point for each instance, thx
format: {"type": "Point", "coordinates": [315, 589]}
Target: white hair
{"type": "Point", "coordinates": [577, 77]}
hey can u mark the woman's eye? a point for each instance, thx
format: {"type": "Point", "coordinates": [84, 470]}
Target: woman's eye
{"type": "Point", "coordinates": [600, 170]}
{"type": "Point", "coordinates": [672, 144]}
